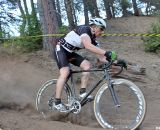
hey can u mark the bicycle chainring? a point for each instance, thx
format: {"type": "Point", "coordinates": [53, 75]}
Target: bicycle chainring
{"type": "Point", "coordinates": [75, 106]}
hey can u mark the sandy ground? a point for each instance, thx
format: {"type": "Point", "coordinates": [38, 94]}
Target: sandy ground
{"type": "Point", "coordinates": [21, 77]}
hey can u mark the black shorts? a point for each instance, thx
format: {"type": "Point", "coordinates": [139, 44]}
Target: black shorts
{"type": "Point", "coordinates": [63, 57]}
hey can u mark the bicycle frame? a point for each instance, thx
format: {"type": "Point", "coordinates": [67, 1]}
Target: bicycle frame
{"type": "Point", "coordinates": [106, 77]}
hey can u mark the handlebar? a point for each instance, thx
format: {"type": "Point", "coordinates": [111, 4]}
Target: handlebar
{"type": "Point", "coordinates": [111, 63]}
{"type": "Point", "coordinates": [107, 65]}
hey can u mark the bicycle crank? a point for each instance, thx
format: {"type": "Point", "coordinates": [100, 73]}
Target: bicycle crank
{"type": "Point", "coordinates": [75, 107]}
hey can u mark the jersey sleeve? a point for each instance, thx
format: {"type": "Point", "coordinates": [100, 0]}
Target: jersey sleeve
{"type": "Point", "coordinates": [86, 30]}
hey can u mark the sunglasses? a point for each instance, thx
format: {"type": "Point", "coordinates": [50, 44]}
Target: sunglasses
{"type": "Point", "coordinates": [102, 28]}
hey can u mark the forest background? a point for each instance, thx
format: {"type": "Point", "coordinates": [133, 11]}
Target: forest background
{"type": "Point", "coordinates": [24, 69]}
{"type": "Point", "coordinates": [40, 22]}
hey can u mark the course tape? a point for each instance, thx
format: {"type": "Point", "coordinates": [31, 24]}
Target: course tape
{"type": "Point", "coordinates": [106, 34]}
{"type": "Point", "coordinates": [134, 34]}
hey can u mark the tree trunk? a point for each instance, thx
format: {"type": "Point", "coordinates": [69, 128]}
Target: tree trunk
{"type": "Point", "coordinates": [92, 8]}
{"type": "Point", "coordinates": [86, 12]}
{"type": "Point", "coordinates": [113, 11]}
{"type": "Point", "coordinates": [22, 28]}
{"type": "Point", "coordinates": [147, 9]}
{"type": "Point", "coordinates": [1, 33]}
{"type": "Point", "coordinates": [34, 18]}
{"type": "Point", "coordinates": [34, 21]}
{"type": "Point", "coordinates": [58, 13]}
{"type": "Point", "coordinates": [33, 9]}
{"type": "Point", "coordinates": [124, 8]}
{"type": "Point", "coordinates": [74, 14]}
{"type": "Point", "coordinates": [124, 12]}
{"type": "Point", "coordinates": [112, 8]}
{"type": "Point", "coordinates": [125, 4]}
{"type": "Point", "coordinates": [68, 6]}
{"type": "Point", "coordinates": [27, 13]}
{"type": "Point", "coordinates": [96, 11]}
{"type": "Point", "coordinates": [135, 8]}
{"type": "Point", "coordinates": [43, 25]}
{"type": "Point", "coordinates": [49, 22]}
{"type": "Point", "coordinates": [108, 9]}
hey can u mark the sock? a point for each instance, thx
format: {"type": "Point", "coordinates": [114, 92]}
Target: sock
{"type": "Point", "coordinates": [82, 90]}
{"type": "Point", "coordinates": [57, 101]}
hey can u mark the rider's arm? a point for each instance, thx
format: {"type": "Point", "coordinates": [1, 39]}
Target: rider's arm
{"type": "Point", "coordinates": [101, 58]}
{"type": "Point", "coordinates": [86, 41]}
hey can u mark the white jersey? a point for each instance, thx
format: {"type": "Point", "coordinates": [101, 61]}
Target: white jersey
{"type": "Point", "coordinates": [72, 41]}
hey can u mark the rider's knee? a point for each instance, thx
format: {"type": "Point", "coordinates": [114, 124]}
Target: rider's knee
{"type": "Point", "coordinates": [64, 72]}
{"type": "Point", "coordinates": [86, 65]}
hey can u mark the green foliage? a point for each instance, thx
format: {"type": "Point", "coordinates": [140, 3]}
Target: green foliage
{"type": "Point", "coordinates": [23, 44]}
{"type": "Point", "coordinates": [1, 36]}
{"type": "Point", "coordinates": [29, 30]}
{"type": "Point", "coordinates": [152, 44]}
{"type": "Point", "coordinates": [63, 29]}
{"type": "Point", "coordinates": [125, 4]}
{"type": "Point", "coordinates": [29, 43]}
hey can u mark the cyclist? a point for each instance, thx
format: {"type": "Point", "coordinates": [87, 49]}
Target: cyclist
{"type": "Point", "coordinates": [65, 52]}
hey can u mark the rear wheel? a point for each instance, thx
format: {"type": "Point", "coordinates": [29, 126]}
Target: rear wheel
{"type": "Point", "coordinates": [132, 108]}
{"type": "Point", "coordinates": [45, 93]}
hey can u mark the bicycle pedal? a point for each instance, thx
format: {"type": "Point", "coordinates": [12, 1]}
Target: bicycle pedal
{"type": "Point", "coordinates": [50, 102]}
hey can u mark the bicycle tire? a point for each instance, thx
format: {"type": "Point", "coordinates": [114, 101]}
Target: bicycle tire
{"type": "Point", "coordinates": [44, 95]}
{"type": "Point", "coordinates": [132, 108]}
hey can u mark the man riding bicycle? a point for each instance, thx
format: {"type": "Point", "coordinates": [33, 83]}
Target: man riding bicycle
{"type": "Point", "coordinates": [65, 53]}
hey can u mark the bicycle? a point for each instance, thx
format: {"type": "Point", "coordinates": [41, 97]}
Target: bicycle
{"type": "Point", "coordinates": [118, 103]}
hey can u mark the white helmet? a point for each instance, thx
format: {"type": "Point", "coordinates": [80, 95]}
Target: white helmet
{"type": "Point", "coordinates": [98, 22]}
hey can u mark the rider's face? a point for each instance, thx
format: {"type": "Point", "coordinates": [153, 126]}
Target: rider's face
{"type": "Point", "coordinates": [99, 31]}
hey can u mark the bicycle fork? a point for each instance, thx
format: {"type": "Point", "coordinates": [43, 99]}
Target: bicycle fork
{"type": "Point", "coordinates": [114, 95]}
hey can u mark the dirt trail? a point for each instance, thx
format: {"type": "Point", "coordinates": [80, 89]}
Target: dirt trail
{"type": "Point", "coordinates": [22, 76]}
{"type": "Point", "coordinates": [20, 80]}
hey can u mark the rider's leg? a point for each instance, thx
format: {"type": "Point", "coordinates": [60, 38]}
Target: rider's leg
{"type": "Point", "coordinates": [64, 72]}
{"type": "Point", "coordinates": [85, 65]}
{"type": "Point", "coordinates": [60, 55]}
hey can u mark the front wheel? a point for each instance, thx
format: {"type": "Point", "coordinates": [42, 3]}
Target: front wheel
{"type": "Point", "coordinates": [45, 93]}
{"type": "Point", "coordinates": [131, 112]}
